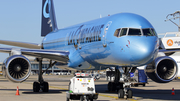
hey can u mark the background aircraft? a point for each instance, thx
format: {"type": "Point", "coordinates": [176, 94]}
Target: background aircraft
{"type": "Point", "coordinates": [123, 40]}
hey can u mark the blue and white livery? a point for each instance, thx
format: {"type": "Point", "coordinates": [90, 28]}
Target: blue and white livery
{"type": "Point", "coordinates": [124, 41]}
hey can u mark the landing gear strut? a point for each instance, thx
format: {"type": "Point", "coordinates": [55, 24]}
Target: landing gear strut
{"type": "Point", "coordinates": [122, 82]}
{"type": "Point", "coordinates": [41, 84]}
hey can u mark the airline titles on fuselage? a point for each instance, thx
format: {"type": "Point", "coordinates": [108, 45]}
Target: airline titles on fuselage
{"type": "Point", "coordinates": [85, 35]}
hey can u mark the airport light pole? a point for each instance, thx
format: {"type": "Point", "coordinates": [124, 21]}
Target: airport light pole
{"type": "Point", "coordinates": [174, 16]}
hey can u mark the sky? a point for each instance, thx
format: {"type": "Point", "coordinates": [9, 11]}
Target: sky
{"type": "Point", "coordinates": [20, 20]}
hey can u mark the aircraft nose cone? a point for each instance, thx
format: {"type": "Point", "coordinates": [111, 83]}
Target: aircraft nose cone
{"type": "Point", "coordinates": [143, 51]}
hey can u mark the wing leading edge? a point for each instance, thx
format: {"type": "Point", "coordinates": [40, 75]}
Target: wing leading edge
{"type": "Point", "coordinates": [21, 44]}
{"type": "Point", "coordinates": [59, 56]}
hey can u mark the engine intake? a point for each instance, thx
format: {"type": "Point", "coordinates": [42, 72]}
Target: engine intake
{"type": "Point", "coordinates": [162, 70]}
{"type": "Point", "coordinates": [16, 68]}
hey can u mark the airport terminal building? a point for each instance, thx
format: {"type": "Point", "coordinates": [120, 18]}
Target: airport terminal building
{"type": "Point", "coordinates": [45, 65]}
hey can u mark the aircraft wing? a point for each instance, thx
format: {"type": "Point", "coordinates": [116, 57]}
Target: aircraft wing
{"type": "Point", "coordinates": [21, 44]}
{"type": "Point", "coordinates": [56, 55]}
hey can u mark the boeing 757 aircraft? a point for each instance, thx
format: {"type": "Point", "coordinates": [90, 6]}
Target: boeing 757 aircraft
{"type": "Point", "coordinates": [123, 40]}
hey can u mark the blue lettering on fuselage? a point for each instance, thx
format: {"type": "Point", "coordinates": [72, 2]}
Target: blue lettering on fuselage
{"type": "Point", "coordinates": [85, 35]}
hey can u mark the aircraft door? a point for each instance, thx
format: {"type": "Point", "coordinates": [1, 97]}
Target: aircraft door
{"type": "Point", "coordinates": [105, 33]}
{"type": "Point", "coordinates": [80, 39]}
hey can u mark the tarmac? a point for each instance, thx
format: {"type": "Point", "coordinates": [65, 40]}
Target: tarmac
{"type": "Point", "coordinates": [58, 85]}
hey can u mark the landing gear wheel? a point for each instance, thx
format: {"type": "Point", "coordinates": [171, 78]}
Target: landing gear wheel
{"type": "Point", "coordinates": [45, 87]}
{"type": "Point", "coordinates": [88, 98]}
{"type": "Point", "coordinates": [36, 87]}
{"type": "Point", "coordinates": [113, 86]}
{"type": "Point", "coordinates": [136, 85]}
{"type": "Point", "coordinates": [120, 86]}
{"type": "Point", "coordinates": [144, 85]}
{"type": "Point", "coordinates": [129, 92]}
{"type": "Point", "coordinates": [81, 98]}
{"type": "Point", "coordinates": [110, 88]}
{"type": "Point", "coordinates": [121, 93]}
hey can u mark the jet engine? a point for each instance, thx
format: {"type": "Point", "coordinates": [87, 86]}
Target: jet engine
{"type": "Point", "coordinates": [16, 68]}
{"type": "Point", "coordinates": [162, 69]}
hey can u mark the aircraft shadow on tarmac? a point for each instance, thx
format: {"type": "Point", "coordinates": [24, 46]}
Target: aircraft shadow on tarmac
{"type": "Point", "coordinates": [144, 94]}
{"type": "Point", "coordinates": [30, 91]}
{"type": "Point", "coordinates": [4, 81]}
{"type": "Point", "coordinates": [50, 92]}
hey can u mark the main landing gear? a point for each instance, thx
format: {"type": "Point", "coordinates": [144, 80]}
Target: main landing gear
{"type": "Point", "coordinates": [41, 84]}
{"type": "Point", "coordinates": [124, 92]}
{"type": "Point", "coordinates": [121, 89]}
{"type": "Point", "coordinates": [44, 86]}
{"type": "Point", "coordinates": [122, 82]}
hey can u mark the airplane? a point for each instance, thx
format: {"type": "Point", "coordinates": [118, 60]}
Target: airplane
{"type": "Point", "coordinates": [124, 41]}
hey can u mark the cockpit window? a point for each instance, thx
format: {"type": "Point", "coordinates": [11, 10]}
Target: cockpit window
{"type": "Point", "coordinates": [116, 33]}
{"type": "Point", "coordinates": [148, 32]}
{"type": "Point", "coordinates": [120, 32]}
{"type": "Point", "coordinates": [154, 32]}
{"type": "Point", "coordinates": [123, 31]}
{"type": "Point", "coordinates": [134, 31]}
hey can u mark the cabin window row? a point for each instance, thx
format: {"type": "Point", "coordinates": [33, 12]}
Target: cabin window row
{"type": "Point", "coordinates": [84, 40]}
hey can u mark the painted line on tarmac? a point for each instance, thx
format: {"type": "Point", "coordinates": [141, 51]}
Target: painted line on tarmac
{"type": "Point", "coordinates": [117, 97]}
{"type": "Point", "coordinates": [108, 96]}
{"type": "Point", "coordinates": [58, 88]}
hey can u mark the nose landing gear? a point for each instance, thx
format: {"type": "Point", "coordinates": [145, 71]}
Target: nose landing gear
{"type": "Point", "coordinates": [122, 82]}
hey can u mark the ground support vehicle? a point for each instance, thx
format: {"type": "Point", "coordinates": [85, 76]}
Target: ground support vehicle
{"type": "Point", "coordinates": [81, 87]}
{"type": "Point", "coordinates": [139, 78]}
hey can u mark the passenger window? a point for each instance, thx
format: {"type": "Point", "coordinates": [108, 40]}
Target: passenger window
{"type": "Point", "coordinates": [134, 32]}
{"type": "Point", "coordinates": [123, 31]}
{"type": "Point", "coordinates": [148, 32]}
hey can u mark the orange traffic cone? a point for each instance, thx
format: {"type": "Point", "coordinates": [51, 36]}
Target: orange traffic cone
{"type": "Point", "coordinates": [173, 93]}
{"type": "Point", "coordinates": [17, 91]}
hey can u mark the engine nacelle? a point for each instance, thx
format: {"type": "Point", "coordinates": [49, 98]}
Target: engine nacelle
{"type": "Point", "coordinates": [16, 68]}
{"type": "Point", "coordinates": [162, 70]}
